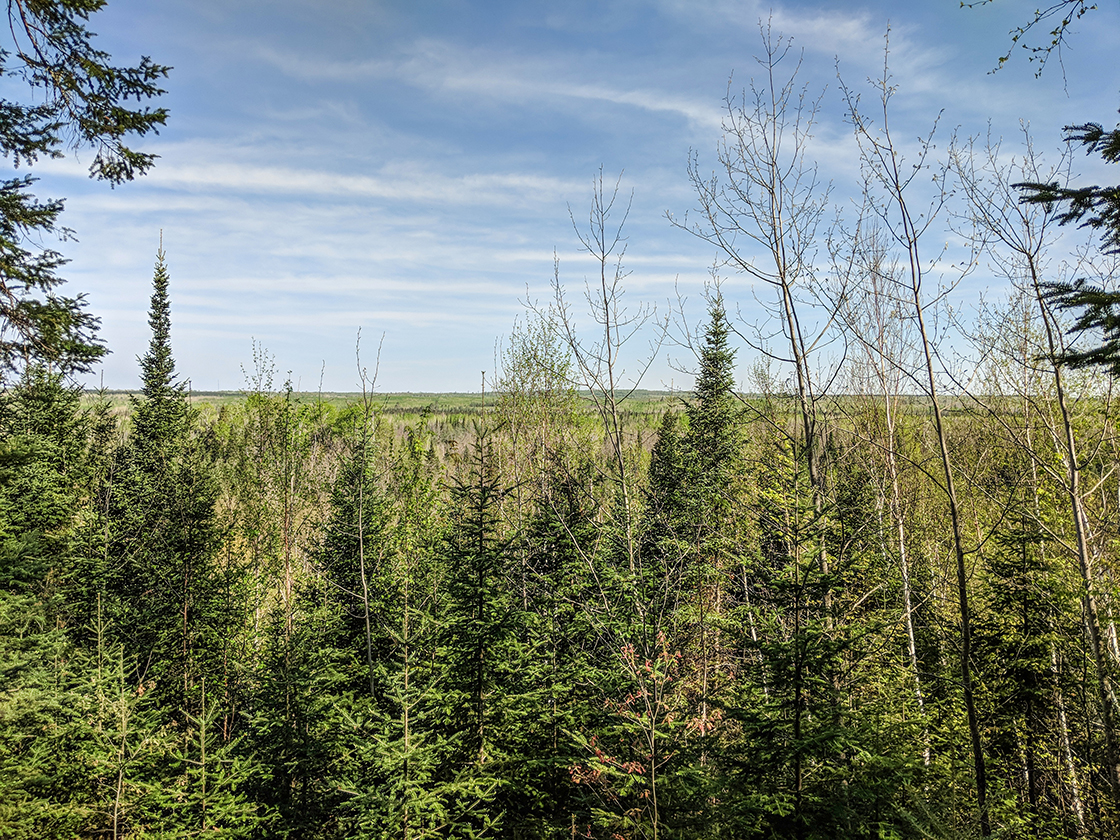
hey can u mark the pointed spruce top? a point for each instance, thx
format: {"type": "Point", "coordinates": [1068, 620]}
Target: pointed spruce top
{"type": "Point", "coordinates": [715, 382]}
{"type": "Point", "coordinates": [713, 418]}
{"type": "Point", "coordinates": [157, 366]}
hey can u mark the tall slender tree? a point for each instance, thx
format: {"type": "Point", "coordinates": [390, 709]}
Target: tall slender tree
{"type": "Point", "coordinates": [162, 529]}
{"type": "Point", "coordinates": [712, 445]}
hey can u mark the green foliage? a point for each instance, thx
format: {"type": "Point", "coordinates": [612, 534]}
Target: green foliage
{"type": "Point", "coordinates": [1097, 315]}
{"type": "Point", "coordinates": [43, 463]}
{"type": "Point", "coordinates": [80, 98]}
{"type": "Point", "coordinates": [1097, 208]}
{"type": "Point", "coordinates": [163, 585]}
{"type": "Point", "coordinates": [1094, 207]}
{"type": "Point", "coordinates": [203, 789]}
{"type": "Point", "coordinates": [56, 721]}
{"type": "Point", "coordinates": [713, 417]}
{"type": "Point", "coordinates": [1064, 12]}
{"type": "Point", "coordinates": [41, 796]}
{"type": "Point", "coordinates": [513, 674]}
{"type": "Point", "coordinates": [287, 617]}
{"type": "Point", "coordinates": [811, 759]}
{"type": "Point", "coordinates": [279, 621]}
{"type": "Point", "coordinates": [478, 643]}
{"type": "Point", "coordinates": [81, 95]}
{"type": "Point", "coordinates": [46, 328]}
{"type": "Point", "coordinates": [82, 751]}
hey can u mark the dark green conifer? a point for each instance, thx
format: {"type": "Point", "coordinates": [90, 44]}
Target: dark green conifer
{"type": "Point", "coordinates": [694, 464]}
{"type": "Point", "coordinates": [157, 366]}
{"type": "Point", "coordinates": [479, 647]}
{"type": "Point", "coordinates": [169, 602]}
{"type": "Point", "coordinates": [43, 778]}
{"type": "Point", "coordinates": [160, 413]}
{"type": "Point", "coordinates": [713, 417]}
{"type": "Point", "coordinates": [162, 531]}
{"type": "Point", "coordinates": [79, 99]}
{"type": "Point", "coordinates": [669, 490]}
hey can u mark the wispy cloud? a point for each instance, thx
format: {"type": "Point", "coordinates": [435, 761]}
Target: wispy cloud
{"type": "Point", "coordinates": [374, 165]}
{"type": "Point", "coordinates": [405, 181]}
{"type": "Point", "coordinates": [851, 33]}
{"type": "Point", "coordinates": [441, 66]}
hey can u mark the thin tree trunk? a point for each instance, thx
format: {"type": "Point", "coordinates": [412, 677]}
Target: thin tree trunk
{"type": "Point", "coordinates": [1067, 749]}
{"type": "Point", "coordinates": [904, 569]}
{"type": "Point", "coordinates": [122, 752]}
{"type": "Point", "coordinates": [882, 157]}
{"type": "Point", "coordinates": [406, 705]}
{"type": "Point", "coordinates": [1084, 554]}
{"type": "Point", "coordinates": [202, 751]}
{"type": "Point", "coordinates": [961, 566]}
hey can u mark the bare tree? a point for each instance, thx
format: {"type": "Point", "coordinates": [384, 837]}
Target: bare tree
{"type": "Point", "coordinates": [598, 367]}
{"type": "Point", "coordinates": [870, 310]}
{"type": "Point", "coordinates": [364, 445]}
{"type": "Point", "coordinates": [1017, 236]}
{"type": "Point", "coordinates": [889, 180]}
{"type": "Point", "coordinates": [763, 208]}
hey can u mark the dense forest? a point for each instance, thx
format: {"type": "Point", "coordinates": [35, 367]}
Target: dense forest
{"type": "Point", "coordinates": [870, 611]}
{"type": "Point", "coordinates": [862, 584]}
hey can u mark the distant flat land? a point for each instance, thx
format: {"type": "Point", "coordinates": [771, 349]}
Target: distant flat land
{"type": "Point", "coordinates": [641, 401]}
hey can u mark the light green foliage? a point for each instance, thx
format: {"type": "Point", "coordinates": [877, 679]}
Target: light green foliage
{"type": "Point", "coordinates": [515, 675]}
{"type": "Point", "coordinates": [82, 751]}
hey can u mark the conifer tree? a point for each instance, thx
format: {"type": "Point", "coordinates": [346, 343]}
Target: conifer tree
{"type": "Point", "coordinates": [561, 635]}
{"type": "Point", "coordinates": [784, 770]}
{"type": "Point", "coordinates": [169, 602]}
{"type": "Point", "coordinates": [42, 466]}
{"type": "Point", "coordinates": [713, 443]}
{"type": "Point", "coordinates": [668, 491]}
{"type": "Point", "coordinates": [77, 745]}
{"type": "Point", "coordinates": [162, 529]}
{"type": "Point", "coordinates": [80, 100]}
{"type": "Point", "coordinates": [160, 414]}
{"type": "Point", "coordinates": [693, 469]}
{"type": "Point", "coordinates": [480, 649]}
{"type": "Point", "coordinates": [713, 417]}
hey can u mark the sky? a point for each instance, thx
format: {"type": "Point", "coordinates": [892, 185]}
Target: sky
{"type": "Point", "coordinates": [410, 171]}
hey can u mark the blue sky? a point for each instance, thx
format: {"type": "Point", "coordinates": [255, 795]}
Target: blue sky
{"type": "Point", "coordinates": [406, 168]}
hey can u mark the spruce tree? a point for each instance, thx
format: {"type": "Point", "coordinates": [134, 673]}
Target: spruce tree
{"type": "Point", "coordinates": [77, 745]}
{"type": "Point", "coordinates": [669, 492]}
{"type": "Point", "coordinates": [561, 638]}
{"type": "Point", "coordinates": [694, 464]}
{"type": "Point", "coordinates": [703, 497]}
{"type": "Point", "coordinates": [480, 649]}
{"type": "Point", "coordinates": [161, 524]}
{"type": "Point", "coordinates": [43, 468]}
{"type": "Point", "coordinates": [41, 443]}
{"type": "Point", "coordinates": [713, 417]}
{"type": "Point", "coordinates": [160, 414]}
{"type": "Point", "coordinates": [79, 99]}
{"type": "Point", "coordinates": [169, 602]}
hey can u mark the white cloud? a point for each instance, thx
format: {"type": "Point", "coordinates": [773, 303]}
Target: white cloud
{"type": "Point", "coordinates": [400, 183]}
{"type": "Point", "coordinates": [445, 67]}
